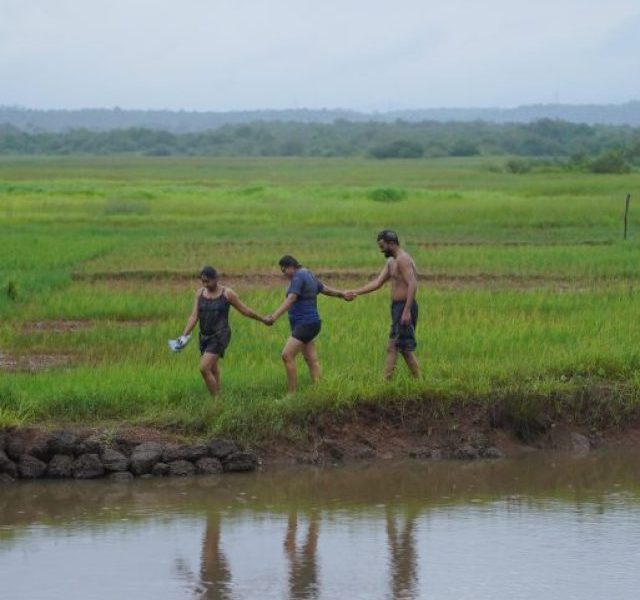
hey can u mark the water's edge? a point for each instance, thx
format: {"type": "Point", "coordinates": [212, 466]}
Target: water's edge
{"type": "Point", "coordinates": [369, 433]}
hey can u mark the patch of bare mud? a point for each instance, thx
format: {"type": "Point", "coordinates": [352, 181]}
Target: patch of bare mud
{"type": "Point", "coordinates": [177, 281]}
{"type": "Point", "coordinates": [58, 326]}
{"type": "Point", "coordinates": [514, 243]}
{"type": "Point", "coordinates": [33, 363]}
{"type": "Point", "coordinates": [71, 326]}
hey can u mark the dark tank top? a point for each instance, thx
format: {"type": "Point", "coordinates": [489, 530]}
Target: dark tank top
{"type": "Point", "coordinates": [213, 314]}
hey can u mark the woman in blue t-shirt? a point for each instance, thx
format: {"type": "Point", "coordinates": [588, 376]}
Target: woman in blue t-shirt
{"type": "Point", "coordinates": [301, 303]}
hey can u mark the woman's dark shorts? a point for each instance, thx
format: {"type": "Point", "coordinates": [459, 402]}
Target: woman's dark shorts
{"type": "Point", "coordinates": [306, 333]}
{"type": "Point", "coordinates": [214, 344]}
{"type": "Point", "coordinates": [404, 336]}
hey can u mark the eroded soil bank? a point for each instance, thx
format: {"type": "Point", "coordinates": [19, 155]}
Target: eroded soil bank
{"type": "Point", "coordinates": [459, 431]}
{"type": "Point", "coordinates": [368, 432]}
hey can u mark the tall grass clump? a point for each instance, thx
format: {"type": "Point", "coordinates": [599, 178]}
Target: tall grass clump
{"type": "Point", "coordinates": [387, 194]}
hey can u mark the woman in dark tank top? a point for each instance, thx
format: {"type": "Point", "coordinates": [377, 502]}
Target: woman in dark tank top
{"type": "Point", "coordinates": [213, 319]}
{"type": "Point", "coordinates": [211, 312]}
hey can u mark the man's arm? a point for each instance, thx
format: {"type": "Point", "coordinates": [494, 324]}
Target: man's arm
{"type": "Point", "coordinates": [372, 286]}
{"type": "Point", "coordinates": [408, 274]}
{"type": "Point", "coordinates": [240, 306]}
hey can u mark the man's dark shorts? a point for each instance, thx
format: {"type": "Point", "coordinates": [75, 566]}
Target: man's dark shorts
{"type": "Point", "coordinates": [306, 333]}
{"type": "Point", "coordinates": [214, 344]}
{"type": "Point", "coordinates": [403, 335]}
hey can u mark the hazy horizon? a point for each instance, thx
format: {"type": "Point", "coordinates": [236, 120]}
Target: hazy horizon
{"type": "Point", "coordinates": [320, 108]}
{"type": "Point", "coordinates": [350, 55]}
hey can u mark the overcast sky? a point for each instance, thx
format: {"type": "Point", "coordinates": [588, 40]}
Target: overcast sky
{"type": "Point", "coordinates": [360, 54]}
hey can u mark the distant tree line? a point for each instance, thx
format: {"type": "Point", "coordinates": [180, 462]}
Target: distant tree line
{"type": "Point", "coordinates": [182, 121]}
{"type": "Point", "coordinates": [544, 138]}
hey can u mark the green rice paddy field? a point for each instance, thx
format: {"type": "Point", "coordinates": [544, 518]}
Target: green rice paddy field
{"type": "Point", "coordinates": [528, 292]}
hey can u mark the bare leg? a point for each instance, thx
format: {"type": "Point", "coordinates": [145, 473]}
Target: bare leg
{"type": "Point", "coordinates": [290, 537]}
{"type": "Point", "coordinates": [216, 373]}
{"type": "Point", "coordinates": [311, 358]}
{"type": "Point", "coordinates": [210, 372]}
{"type": "Point", "coordinates": [289, 353]}
{"type": "Point", "coordinates": [392, 357]}
{"type": "Point", "coordinates": [412, 363]}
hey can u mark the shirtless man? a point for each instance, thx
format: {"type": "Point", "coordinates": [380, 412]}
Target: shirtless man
{"type": "Point", "coordinates": [401, 271]}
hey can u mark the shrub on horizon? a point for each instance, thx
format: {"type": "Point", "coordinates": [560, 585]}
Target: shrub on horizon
{"type": "Point", "coordinates": [518, 166]}
{"type": "Point", "coordinates": [398, 149]}
{"type": "Point", "coordinates": [387, 194]}
{"type": "Point", "coordinates": [612, 161]}
{"type": "Point", "coordinates": [464, 148]}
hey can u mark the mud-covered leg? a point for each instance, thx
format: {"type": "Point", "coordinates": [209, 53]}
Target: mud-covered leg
{"type": "Point", "coordinates": [289, 353]}
{"type": "Point", "coordinates": [390, 362]}
{"type": "Point", "coordinates": [210, 372]}
{"type": "Point", "coordinates": [412, 362]}
{"type": "Point", "coordinates": [311, 358]}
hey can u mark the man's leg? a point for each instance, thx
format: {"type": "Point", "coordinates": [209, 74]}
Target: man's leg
{"type": "Point", "coordinates": [407, 342]}
{"type": "Point", "coordinates": [210, 372]}
{"type": "Point", "coordinates": [311, 358]}
{"type": "Point", "coordinates": [390, 362]}
{"type": "Point", "coordinates": [412, 363]}
{"type": "Point", "coordinates": [289, 352]}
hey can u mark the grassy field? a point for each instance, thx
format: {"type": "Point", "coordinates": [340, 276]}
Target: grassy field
{"type": "Point", "coordinates": [528, 292]}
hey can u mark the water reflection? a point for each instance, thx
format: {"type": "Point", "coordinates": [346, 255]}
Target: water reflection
{"type": "Point", "coordinates": [212, 580]}
{"type": "Point", "coordinates": [402, 552]}
{"type": "Point", "coordinates": [301, 556]}
{"type": "Point", "coordinates": [215, 574]}
{"type": "Point", "coordinates": [399, 531]}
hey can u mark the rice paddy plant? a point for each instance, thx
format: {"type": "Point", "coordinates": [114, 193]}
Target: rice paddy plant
{"type": "Point", "coordinates": [527, 290]}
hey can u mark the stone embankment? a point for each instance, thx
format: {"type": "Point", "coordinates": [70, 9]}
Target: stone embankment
{"type": "Point", "coordinates": [34, 454]}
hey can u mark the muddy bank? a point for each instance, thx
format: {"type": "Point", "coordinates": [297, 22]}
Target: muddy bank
{"type": "Point", "coordinates": [463, 432]}
{"type": "Point", "coordinates": [368, 432]}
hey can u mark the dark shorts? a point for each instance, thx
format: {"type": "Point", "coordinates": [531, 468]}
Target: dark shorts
{"type": "Point", "coordinates": [214, 344]}
{"type": "Point", "coordinates": [403, 335]}
{"type": "Point", "coordinates": [306, 333]}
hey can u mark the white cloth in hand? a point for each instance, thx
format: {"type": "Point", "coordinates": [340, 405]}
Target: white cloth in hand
{"type": "Point", "coordinates": [178, 344]}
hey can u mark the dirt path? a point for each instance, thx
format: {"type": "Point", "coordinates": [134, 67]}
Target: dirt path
{"type": "Point", "coordinates": [126, 279]}
{"type": "Point", "coordinates": [33, 363]}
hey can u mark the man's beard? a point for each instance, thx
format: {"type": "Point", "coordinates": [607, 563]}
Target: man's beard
{"type": "Point", "coordinates": [387, 253]}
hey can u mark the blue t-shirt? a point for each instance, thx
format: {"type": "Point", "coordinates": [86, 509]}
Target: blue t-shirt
{"type": "Point", "coordinates": [304, 310]}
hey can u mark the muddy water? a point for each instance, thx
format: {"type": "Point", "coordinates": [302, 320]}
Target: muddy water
{"type": "Point", "coordinates": [542, 527]}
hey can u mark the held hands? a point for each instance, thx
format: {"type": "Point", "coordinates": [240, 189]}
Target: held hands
{"type": "Point", "coordinates": [349, 295]}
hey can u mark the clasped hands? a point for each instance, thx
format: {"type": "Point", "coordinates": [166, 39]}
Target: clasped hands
{"type": "Point", "coordinates": [349, 296]}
